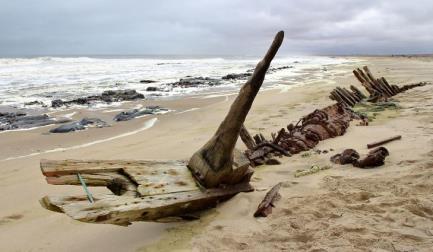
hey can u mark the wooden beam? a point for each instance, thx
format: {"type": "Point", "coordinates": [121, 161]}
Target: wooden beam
{"type": "Point", "coordinates": [214, 163]}
{"type": "Point", "coordinates": [122, 210]}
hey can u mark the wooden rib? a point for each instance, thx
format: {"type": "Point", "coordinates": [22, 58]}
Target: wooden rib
{"type": "Point", "coordinates": [358, 92]}
{"type": "Point", "coordinates": [246, 138]}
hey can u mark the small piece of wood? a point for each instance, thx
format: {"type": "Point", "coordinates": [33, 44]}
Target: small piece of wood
{"type": "Point", "coordinates": [375, 144]}
{"type": "Point", "coordinates": [265, 207]}
{"type": "Point", "coordinates": [246, 138]}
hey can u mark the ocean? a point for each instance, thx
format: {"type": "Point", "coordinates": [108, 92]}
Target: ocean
{"type": "Point", "coordinates": [44, 79]}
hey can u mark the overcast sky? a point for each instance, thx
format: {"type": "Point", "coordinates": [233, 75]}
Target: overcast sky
{"type": "Point", "coordinates": [223, 27]}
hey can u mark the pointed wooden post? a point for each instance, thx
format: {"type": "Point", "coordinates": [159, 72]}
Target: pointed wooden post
{"type": "Point", "coordinates": [217, 162]}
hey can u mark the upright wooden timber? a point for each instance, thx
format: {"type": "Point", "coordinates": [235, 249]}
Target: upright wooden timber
{"type": "Point", "coordinates": [217, 162]}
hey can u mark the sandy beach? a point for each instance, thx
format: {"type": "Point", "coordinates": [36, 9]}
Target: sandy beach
{"type": "Point", "coordinates": [389, 208]}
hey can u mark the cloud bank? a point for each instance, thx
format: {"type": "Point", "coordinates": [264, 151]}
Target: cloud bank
{"type": "Point", "coordinates": [224, 27]}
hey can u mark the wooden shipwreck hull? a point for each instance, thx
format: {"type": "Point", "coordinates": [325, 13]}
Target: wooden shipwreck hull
{"type": "Point", "coordinates": [321, 124]}
{"type": "Point", "coordinates": [142, 190]}
{"type": "Point", "coordinates": [161, 190]}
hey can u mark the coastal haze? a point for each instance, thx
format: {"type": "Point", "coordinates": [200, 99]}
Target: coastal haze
{"type": "Point", "coordinates": [152, 80]}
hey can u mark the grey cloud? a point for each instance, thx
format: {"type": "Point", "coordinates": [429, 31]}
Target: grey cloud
{"type": "Point", "coordinates": [238, 27]}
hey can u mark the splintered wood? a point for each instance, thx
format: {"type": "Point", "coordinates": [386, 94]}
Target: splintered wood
{"type": "Point", "coordinates": [321, 124]}
{"type": "Point", "coordinates": [265, 207]}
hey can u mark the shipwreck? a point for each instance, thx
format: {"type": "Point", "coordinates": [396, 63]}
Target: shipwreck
{"type": "Point", "coordinates": [150, 190]}
{"type": "Point", "coordinates": [158, 190]}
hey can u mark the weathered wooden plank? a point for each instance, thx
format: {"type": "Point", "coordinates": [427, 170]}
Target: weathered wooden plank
{"type": "Point", "coordinates": [379, 143]}
{"type": "Point", "coordinates": [160, 179]}
{"type": "Point", "coordinates": [122, 210]}
{"type": "Point", "coordinates": [265, 207]}
{"type": "Point", "coordinates": [63, 167]}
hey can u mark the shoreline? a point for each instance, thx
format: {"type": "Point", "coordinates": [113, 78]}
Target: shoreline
{"type": "Point", "coordinates": [177, 135]}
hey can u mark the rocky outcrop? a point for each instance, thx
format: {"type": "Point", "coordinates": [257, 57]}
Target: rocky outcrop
{"type": "Point", "coordinates": [275, 69]}
{"type": "Point", "coordinates": [19, 120]}
{"type": "Point", "coordinates": [244, 76]}
{"type": "Point", "coordinates": [239, 76]}
{"type": "Point", "coordinates": [131, 114]}
{"type": "Point", "coordinates": [152, 89]}
{"type": "Point", "coordinates": [107, 96]}
{"type": "Point", "coordinates": [147, 81]}
{"type": "Point", "coordinates": [196, 82]}
{"type": "Point", "coordinates": [35, 103]}
{"type": "Point", "coordinates": [80, 125]}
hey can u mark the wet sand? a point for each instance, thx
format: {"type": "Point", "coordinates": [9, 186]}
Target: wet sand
{"type": "Point", "coordinates": [342, 208]}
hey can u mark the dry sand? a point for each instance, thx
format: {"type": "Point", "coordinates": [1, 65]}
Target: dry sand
{"type": "Point", "coordinates": [340, 209]}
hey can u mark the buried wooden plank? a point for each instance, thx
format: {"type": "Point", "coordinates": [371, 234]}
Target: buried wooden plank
{"type": "Point", "coordinates": [265, 207]}
{"type": "Point", "coordinates": [122, 210]}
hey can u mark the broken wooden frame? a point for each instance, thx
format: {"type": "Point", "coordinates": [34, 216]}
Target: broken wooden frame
{"type": "Point", "coordinates": [378, 89]}
{"type": "Point", "coordinates": [157, 190]}
{"type": "Point", "coordinates": [321, 124]}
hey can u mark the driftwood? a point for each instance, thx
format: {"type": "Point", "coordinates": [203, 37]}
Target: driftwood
{"type": "Point", "coordinates": [265, 207]}
{"type": "Point", "coordinates": [375, 144]}
{"type": "Point", "coordinates": [214, 163]}
{"type": "Point", "coordinates": [157, 190]}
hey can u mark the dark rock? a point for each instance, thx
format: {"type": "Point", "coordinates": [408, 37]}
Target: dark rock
{"type": "Point", "coordinates": [32, 103]}
{"type": "Point", "coordinates": [56, 103]}
{"type": "Point", "coordinates": [68, 128]}
{"type": "Point", "coordinates": [239, 76]}
{"type": "Point", "coordinates": [80, 125]}
{"type": "Point", "coordinates": [128, 115]}
{"type": "Point", "coordinates": [275, 69]}
{"type": "Point", "coordinates": [147, 81]}
{"type": "Point", "coordinates": [107, 96]}
{"type": "Point", "coordinates": [196, 82]}
{"type": "Point", "coordinates": [152, 89]}
{"type": "Point", "coordinates": [19, 120]}
{"type": "Point", "coordinates": [244, 76]}
{"type": "Point", "coordinates": [122, 95]}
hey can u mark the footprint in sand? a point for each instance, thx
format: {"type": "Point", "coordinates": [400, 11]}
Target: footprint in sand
{"type": "Point", "coordinates": [10, 218]}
